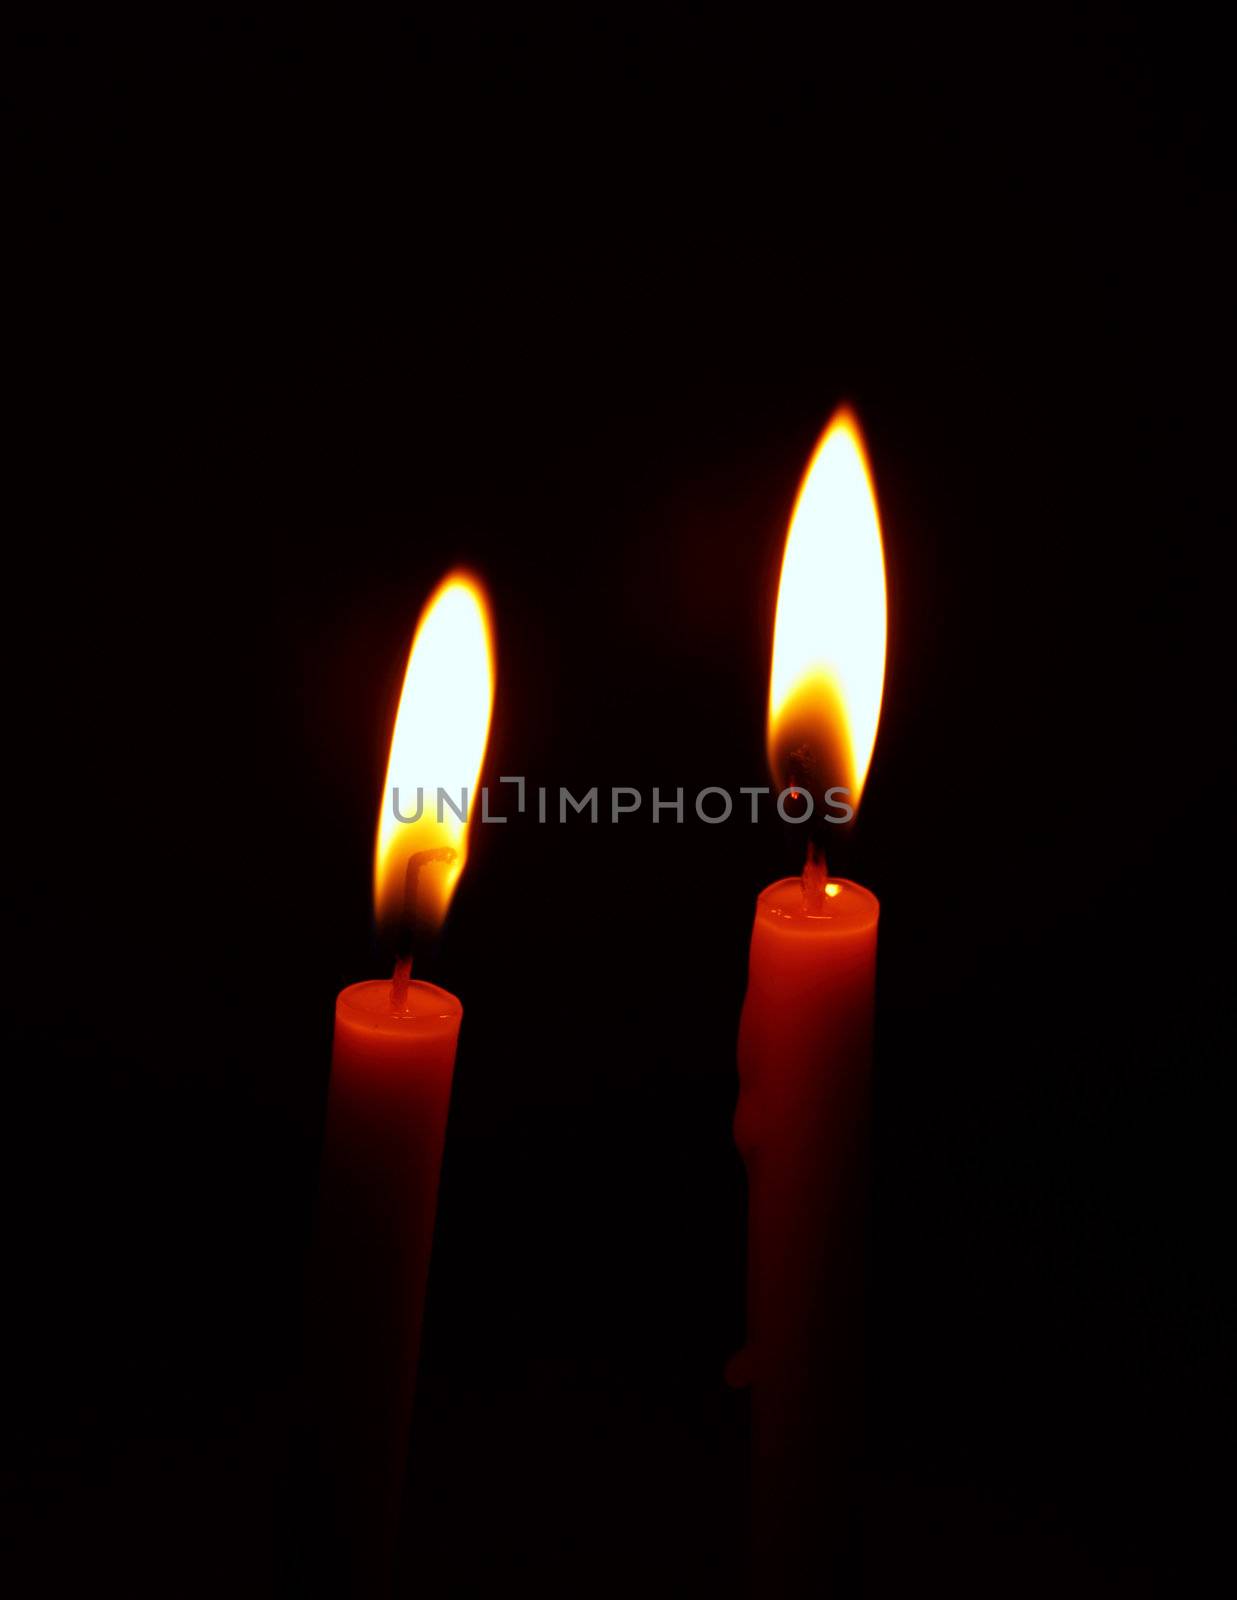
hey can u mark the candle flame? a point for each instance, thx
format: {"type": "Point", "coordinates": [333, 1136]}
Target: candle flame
{"type": "Point", "coordinates": [829, 633]}
{"type": "Point", "coordinates": [437, 747]}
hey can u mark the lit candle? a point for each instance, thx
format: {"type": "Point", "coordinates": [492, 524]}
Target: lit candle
{"type": "Point", "coordinates": [805, 1032]}
{"type": "Point", "coordinates": [391, 1072]}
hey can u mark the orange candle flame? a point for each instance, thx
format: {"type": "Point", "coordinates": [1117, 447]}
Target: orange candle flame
{"type": "Point", "coordinates": [828, 668]}
{"type": "Point", "coordinates": [437, 748]}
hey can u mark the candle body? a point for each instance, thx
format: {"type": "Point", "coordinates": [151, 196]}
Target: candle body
{"type": "Point", "coordinates": [391, 1073]}
{"type": "Point", "coordinates": [805, 1041]}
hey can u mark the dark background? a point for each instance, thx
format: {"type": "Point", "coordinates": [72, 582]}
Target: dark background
{"type": "Point", "coordinates": [301, 320]}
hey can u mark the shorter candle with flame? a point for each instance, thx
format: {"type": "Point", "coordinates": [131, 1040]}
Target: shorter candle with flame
{"type": "Point", "coordinates": [806, 1027]}
{"type": "Point", "coordinates": [391, 1073]}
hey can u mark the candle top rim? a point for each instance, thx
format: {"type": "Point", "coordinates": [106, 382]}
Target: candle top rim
{"type": "Point", "coordinates": [850, 910]}
{"type": "Point", "coordinates": [429, 1009]}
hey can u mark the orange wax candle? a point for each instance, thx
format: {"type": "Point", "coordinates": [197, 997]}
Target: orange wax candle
{"type": "Point", "coordinates": [805, 1035]}
{"type": "Point", "coordinates": [391, 1073]}
{"type": "Point", "coordinates": [804, 1056]}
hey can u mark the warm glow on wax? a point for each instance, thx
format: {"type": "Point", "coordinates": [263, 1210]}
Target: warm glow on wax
{"type": "Point", "coordinates": [438, 743]}
{"type": "Point", "coordinates": [829, 633]}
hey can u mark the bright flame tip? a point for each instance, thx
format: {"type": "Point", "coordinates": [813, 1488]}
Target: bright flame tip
{"type": "Point", "coordinates": [828, 668]}
{"type": "Point", "coordinates": [437, 749]}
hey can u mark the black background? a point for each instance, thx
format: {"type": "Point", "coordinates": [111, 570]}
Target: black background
{"type": "Point", "coordinates": [304, 319]}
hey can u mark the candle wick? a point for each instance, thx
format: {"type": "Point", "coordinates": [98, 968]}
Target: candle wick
{"type": "Point", "coordinates": [412, 874]}
{"type": "Point", "coordinates": [400, 979]}
{"type": "Point", "coordinates": [402, 975]}
{"type": "Point", "coordinates": [815, 877]}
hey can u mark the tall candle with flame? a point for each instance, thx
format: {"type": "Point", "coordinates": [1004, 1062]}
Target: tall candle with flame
{"type": "Point", "coordinates": [805, 1035]}
{"type": "Point", "coordinates": [391, 1072]}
